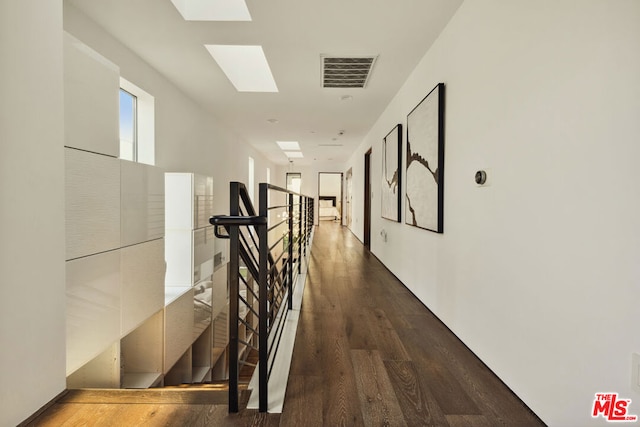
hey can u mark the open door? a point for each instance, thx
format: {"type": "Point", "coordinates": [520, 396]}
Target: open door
{"type": "Point", "coordinates": [329, 197]}
{"type": "Point", "coordinates": [367, 199]}
{"type": "Point", "coordinates": [347, 198]}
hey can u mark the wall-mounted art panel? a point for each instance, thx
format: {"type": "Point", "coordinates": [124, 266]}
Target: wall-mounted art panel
{"type": "Point", "coordinates": [425, 162]}
{"type": "Point", "coordinates": [391, 175]}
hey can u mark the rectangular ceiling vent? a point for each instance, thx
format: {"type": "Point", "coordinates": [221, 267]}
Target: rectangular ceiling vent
{"type": "Point", "coordinates": [343, 72]}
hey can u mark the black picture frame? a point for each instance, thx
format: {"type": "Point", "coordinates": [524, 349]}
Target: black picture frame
{"type": "Point", "coordinates": [424, 174]}
{"type": "Point", "coordinates": [391, 197]}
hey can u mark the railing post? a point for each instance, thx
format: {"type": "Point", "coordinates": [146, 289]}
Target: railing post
{"type": "Point", "coordinates": [300, 235]}
{"type": "Point", "coordinates": [303, 226]}
{"type": "Point", "coordinates": [290, 252]}
{"type": "Point", "coordinates": [234, 266]}
{"type": "Point", "coordinates": [263, 295]}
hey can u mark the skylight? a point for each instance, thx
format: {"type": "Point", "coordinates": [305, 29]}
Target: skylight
{"type": "Point", "coordinates": [288, 145]}
{"type": "Point", "coordinates": [294, 154]}
{"type": "Point", "coordinates": [245, 66]}
{"type": "Point", "coordinates": [218, 10]}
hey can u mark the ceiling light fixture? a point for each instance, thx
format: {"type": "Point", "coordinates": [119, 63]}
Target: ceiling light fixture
{"type": "Point", "coordinates": [207, 10]}
{"type": "Point", "coordinates": [245, 66]}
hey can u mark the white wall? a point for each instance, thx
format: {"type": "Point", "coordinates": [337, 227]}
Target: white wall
{"type": "Point", "coordinates": [32, 323]}
{"type": "Point", "coordinates": [330, 184]}
{"type": "Point", "coordinates": [188, 138]}
{"type": "Point", "coordinates": [538, 273]}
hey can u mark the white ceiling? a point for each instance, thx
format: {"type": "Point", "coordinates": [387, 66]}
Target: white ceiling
{"type": "Point", "coordinates": [294, 34]}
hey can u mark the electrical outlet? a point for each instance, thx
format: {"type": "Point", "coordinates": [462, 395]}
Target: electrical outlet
{"type": "Point", "coordinates": [635, 372]}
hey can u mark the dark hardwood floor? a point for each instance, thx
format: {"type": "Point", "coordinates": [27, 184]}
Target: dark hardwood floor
{"type": "Point", "coordinates": [367, 353]}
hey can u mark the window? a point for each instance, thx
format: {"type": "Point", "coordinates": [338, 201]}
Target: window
{"type": "Point", "coordinates": [137, 124]}
{"type": "Point", "coordinates": [128, 133]}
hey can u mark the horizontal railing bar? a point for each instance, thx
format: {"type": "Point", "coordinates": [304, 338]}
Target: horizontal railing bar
{"type": "Point", "coordinates": [248, 231]}
{"type": "Point", "coordinates": [249, 326]}
{"type": "Point", "coordinates": [250, 289]}
{"type": "Point", "coordinates": [279, 272]}
{"type": "Point", "coordinates": [228, 220]}
{"type": "Point", "coordinates": [277, 207]}
{"type": "Point", "coordinates": [282, 190]}
{"type": "Point", "coordinates": [250, 253]}
{"type": "Point", "coordinates": [247, 344]}
{"type": "Point", "coordinates": [275, 264]}
{"type": "Point", "coordinates": [278, 224]}
{"type": "Point", "coordinates": [248, 306]}
{"type": "Point", "coordinates": [277, 243]}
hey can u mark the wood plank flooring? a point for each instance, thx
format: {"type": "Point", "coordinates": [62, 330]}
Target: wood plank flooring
{"type": "Point", "coordinates": [367, 353]}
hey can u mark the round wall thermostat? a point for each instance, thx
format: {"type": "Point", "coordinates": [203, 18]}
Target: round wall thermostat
{"type": "Point", "coordinates": [481, 177]}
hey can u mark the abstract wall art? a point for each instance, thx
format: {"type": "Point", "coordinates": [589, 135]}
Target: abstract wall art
{"type": "Point", "coordinates": [425, 162]}
{"type": "Point", "coordinates": [391, 174]}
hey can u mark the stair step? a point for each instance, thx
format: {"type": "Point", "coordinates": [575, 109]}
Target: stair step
{"type": "Point", "coordinates": [200, 394]}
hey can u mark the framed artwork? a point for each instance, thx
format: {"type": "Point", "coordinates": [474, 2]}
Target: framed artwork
{"type": "Point", "coordinates": [391, 175]}
{"type": "Point", "coordinates": [425, 162]}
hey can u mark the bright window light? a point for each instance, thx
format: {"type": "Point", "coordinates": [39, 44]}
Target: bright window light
{"type": "Point", "coordinates": [288, 145]}
{"type": "Point", "coordinates": [208, 10]}
{"type": "Point", "coordinates": [245, 66]}
{"type": "Point", "coordinates": [137, 128]}
{"type": "Point", "coordinates": [294, 154]}
{"type": "Point", "coordinates": [128, 132]}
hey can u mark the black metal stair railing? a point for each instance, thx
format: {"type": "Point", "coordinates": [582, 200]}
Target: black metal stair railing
{"type": "Point", "coordinates": [266, 253]}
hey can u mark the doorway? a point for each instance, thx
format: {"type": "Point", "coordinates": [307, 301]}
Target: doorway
{"type": "Point", "coordinates": [348, 191]}
{"type": "Point", "coordinates": [367, 199]}
{"type": "Point", "coordinates": [294, 181]}
{"type": "Point", "coordinates": [329, 197]}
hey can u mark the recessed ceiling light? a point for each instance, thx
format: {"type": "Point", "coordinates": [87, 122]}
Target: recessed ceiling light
{"type": "Point", "coordinates": [218, 10]}
{"type": "Point", "coordinates": [294, 154]}
{"type": "Point", "coordinates": [245, 66]}
{"type": "Point", "coordinates": [288, 145]}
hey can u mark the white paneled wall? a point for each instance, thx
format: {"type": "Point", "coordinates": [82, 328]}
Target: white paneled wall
{"type": "Point", "coordinates": [93, 306]}
{"type": "Point", "coordinates": [178, 324]}
{"type": "Point", "coordinates": [92, 188]}
{"type": "Point", "coordinates": [142, 213]}
{"type": "Point", "coordinates": [114, 237]}
{"type": "Point", "coordinates": [91, 97]}
{"type": "Point", "coordinates": [142, 282]}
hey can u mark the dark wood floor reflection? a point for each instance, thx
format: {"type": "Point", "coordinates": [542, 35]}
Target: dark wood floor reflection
{"type": "Point", "coordinates": [367, 353]}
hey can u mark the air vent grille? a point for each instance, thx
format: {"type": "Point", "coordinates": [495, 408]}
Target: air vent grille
{"type": "Point", "coordinates": [342, 72]}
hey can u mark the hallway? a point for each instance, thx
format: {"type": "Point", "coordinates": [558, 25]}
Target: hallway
{"type": "Point", "coordinates": [367, 353]}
